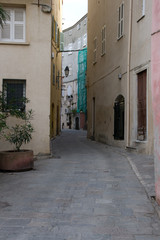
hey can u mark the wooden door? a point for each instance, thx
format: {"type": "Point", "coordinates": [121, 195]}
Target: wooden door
{"type": "Point", "coordinates": [141, 131]}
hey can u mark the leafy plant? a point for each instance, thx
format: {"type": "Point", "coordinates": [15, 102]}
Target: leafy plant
{"type": "Point", "coordinates": [3, 16]}
{"type": "Point", "coordinates": [20, 133]}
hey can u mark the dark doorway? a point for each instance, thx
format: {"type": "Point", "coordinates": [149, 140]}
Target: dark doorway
{"type": "Point", "coordinates": [77, 123]}
{"type": "Point", "coordinates": [93, 118]}
{"type": "Point", "coordinates": [119, 118]}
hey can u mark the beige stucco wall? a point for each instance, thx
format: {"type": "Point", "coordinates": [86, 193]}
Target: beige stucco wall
{"type": "Point", "coordinates": [102, 78]}
{"type": "Point", "coordinates": [141, 60]}
{"type": "Point", "coordinates": [32, 61]}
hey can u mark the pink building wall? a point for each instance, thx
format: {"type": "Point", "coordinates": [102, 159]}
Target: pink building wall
{"type": "Point", "coordinates": [156, 90]}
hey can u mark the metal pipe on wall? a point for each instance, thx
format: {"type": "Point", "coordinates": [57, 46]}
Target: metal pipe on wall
{"type": "Point", "coordinates": [128, 71]}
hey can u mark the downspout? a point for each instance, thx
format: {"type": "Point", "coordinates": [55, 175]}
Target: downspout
{"type": "Point", "coordinates": [50, 131]}
{"type": "Point", "coordinates": [128, 71]}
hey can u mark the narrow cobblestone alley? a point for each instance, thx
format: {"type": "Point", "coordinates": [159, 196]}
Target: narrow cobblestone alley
{"type": "Point", "coordinates": [86, 191]}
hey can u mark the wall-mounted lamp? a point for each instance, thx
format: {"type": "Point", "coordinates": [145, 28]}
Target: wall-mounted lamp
{"type": "Point", "coordinates": [119, 76]}
{"type": "Point", "coordinates": [66, 71]}
{"type": "Point", "coordinates": [44, 8]}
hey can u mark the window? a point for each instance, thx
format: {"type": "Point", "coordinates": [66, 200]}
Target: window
{"type": "Point", "coordinates": [79, 43]}
{"type": "Point", "coordinates": [70, 70]}
{"type": "Point", "coordinates": [57, 79]}
{"type": "Point", "coordinates": [70, 32]}
{"type": "Point", "coordinates": [141, 102]}
{"type": "Point", "coordinates": [85, 40]}
{"type": "Point", "coordinates": [15, 91]}
{"type": "Point", "coordinates": [103, 40]}
{"type": "Point", "coordinates": [79, 26]}
{"type": "Point", "coordinates": [56, 32]}
{"type": "Point", "coordinates": [14, 28]}
{"type": "Point", "coordinates": [69, 48]}
{"type": "Point", "coordinates": [141, 4]}
{"type": "Point", "coordinates": [61, 41]}
{"type": "Point", "coordinates": [95, 51]}
{"type": "Point", "coordinates": [121, 21]}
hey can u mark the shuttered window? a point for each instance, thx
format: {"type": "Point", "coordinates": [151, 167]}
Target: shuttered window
{"type": "Point", "coordinates": [142, 89]}
{"type": "Point", "coordinates": [85, 40]}
{"type": "Point", "coordinates": [14, 28]}
{"type": "Point", "coordinates": [121, 21]}
{"type": "Point", "coordinates": [95, 50]}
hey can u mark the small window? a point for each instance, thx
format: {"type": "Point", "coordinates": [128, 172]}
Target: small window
{"type": "Point", "coordinates": [15, 92]}
{"type": "Point", "coordinates": [95, 50]}
{"type": "Point", "coordinates": [70, 32]}
{"type": "Point", "coordinates": [14, 28]}
{"type": "Point", "coordinates": [70, 48]}
{"type": "Point", "coordinates": [85, 40]}
{"type": "Point", "coordinates": [121, 21]}
{"type": "Point", "coordinates": [103, 40]}
{"type": "Point", "coordinates": [79, 26]}
{"type": "Point", "coordinates": [79, 43]}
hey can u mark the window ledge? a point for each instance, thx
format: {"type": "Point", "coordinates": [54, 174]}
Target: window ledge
{"type": "Point", "coordinates": [15, 43]}
{"type": "Point", "coordinates": [103, 54]}
{"type": "Point", "coordinates": [140, 18]}
{"type": "Point", "coordinates": [140, 141]}
{"type": "Point", "coordinates": [119, 38]}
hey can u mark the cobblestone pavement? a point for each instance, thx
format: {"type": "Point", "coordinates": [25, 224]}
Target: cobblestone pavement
{"type": "Point", "coordinates": [86, 191]}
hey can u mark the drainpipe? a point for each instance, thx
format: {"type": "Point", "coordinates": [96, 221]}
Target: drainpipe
{"type": "Point", "coordinates": [128, 71]}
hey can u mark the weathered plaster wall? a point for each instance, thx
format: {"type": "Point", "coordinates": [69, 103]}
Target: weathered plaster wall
{"type": "Point", "coordinates": [156, 89]}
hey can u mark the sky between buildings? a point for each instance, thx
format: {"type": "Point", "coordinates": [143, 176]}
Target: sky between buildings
{"type": "Point", "coordinates": [73, 10]}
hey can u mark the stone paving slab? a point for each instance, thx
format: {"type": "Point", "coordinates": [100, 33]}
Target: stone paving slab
{"type": "Point", "coordinates": [86, 191]}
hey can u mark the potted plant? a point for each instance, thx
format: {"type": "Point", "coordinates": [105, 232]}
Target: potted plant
{"type": "Point", "coordinates": [18, 134]}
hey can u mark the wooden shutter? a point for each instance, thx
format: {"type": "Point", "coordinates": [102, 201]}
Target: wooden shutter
{"type": "Point", "coordinates": [53, 74]}
{"type": "Point", "coordinates": [121, 20]}
{"type": "Point", "coordinates": [95, 51]}
{"type": "Point", "coordinates": [142, 105]}
{"type": "Point", "coordinates": [53, 27]}
{"type": "Point", "coordinates": [61, 41]}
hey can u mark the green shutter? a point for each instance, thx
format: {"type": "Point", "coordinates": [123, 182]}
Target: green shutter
{"type": "Point", "coordinates": [61, 41]}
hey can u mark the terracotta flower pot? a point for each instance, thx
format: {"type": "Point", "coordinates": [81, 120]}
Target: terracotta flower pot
{"type": "Point", "coordinates": [16, 161]}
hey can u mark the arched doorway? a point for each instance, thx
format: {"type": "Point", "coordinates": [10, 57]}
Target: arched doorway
{"type": "Point", "coordinates": [119, 118]}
